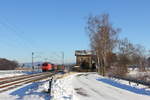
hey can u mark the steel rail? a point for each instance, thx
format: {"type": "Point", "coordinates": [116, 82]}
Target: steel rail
{"type": "Point", "coordinates": [11, 85]}
{"type": "Point", "coordinates": [11, 79]}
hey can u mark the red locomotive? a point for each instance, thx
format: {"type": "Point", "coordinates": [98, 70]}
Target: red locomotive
{"type": "Point", "coordinates": [47, 67]}
{"type": "Point", "coordinates": [51, 67]}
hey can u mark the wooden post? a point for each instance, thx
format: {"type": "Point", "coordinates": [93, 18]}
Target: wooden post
{"type": "Point", "coordinates": [50, 85]}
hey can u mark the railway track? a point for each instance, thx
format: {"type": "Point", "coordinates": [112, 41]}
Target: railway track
{"type": "Point", "coordinates": [13, 82]}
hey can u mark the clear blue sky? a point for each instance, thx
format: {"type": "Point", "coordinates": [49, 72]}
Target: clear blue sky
{"type": "Point", "coordinates": [49, 27]}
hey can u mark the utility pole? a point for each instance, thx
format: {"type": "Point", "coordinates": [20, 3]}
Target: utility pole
{"type": "Point", "coordinates": [46, 59]}
{"type": "Point", "coordinates": [62, 58]}
{"type": "Point", "coordinates": [33, 60]}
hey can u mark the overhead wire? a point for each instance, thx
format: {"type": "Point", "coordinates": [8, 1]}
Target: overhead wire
{"type": "Point", "coordinates": [25, 41]}
{"type": "Point", "coordinates": [16, 33]}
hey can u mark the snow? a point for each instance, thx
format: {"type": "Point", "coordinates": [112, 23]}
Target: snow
{"type": "Point", "coordinates": [26, 92]}
{"type": "Point", "coordinates": [31, 91]}
{"type": "Point", "coordinates": [62, 89]}
{"type": "Point", "coordinates": [86, 86]}
{"type": "Point", "coordinates": [133, 89]}
{"type": "Point", "coordinates": [136, 74]}
{"type": "Point", "coordinates": [79, 86]}
{"type": "Point", "coordinates": [11, 73]}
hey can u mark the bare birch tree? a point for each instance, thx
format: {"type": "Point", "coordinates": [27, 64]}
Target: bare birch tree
{"type": "Point", "coordinates": [103, 38]}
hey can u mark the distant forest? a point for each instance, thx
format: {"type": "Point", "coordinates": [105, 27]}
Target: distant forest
{"type": "Point", "coordinates": [6, 64]}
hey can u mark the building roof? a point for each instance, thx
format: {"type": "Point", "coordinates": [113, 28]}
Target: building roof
{"type": "Point", "coordinates": [82, 53]}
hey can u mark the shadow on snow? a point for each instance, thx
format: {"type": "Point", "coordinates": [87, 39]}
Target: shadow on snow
{"type": "Point", "coordinates": [126, 87]}
{"type": "Point", "coordinates": [30, 90]}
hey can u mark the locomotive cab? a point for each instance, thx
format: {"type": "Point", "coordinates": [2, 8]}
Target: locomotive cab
{"type": "Point", "coordinates": [47, 67]}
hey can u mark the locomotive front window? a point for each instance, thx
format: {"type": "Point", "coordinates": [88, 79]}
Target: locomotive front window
{"type": "Point", "coordinates": [45, 64]}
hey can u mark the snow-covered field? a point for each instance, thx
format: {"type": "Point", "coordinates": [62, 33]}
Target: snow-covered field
{"type": "Point", "coordinates": [10, 73]}
{"type": "Point", "coordinates": [136, 74]}
{"type": "Point", "coordinates": [79, 86]}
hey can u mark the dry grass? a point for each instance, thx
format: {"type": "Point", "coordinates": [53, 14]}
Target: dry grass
{"type": "Point", "coordinates": [19, 68]}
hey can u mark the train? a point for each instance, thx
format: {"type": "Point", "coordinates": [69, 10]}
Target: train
{"type": "Point", "coordinates": [51, 67]}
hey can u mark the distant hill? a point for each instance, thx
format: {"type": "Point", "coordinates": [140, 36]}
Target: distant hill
{"type": "Point", "coordinates": [29, 64]}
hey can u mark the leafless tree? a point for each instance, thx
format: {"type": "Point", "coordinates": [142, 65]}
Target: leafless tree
{"type": "Point", "coordinates": [140, 57]}
{"type": "Point", "coordinates": [103, 38]}
{"type": "Point", "coordinates": [7, 64]}
{"type": "Point", "coordinates": [130, 55]}
{"type": "Point", "coordinates": [125, 49]}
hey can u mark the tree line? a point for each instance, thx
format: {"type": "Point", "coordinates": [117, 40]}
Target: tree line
{"type": "Point", "coordinates": [6, 64]}
{"type": "Point", "coordinates": [113, 55]}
